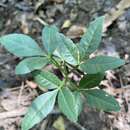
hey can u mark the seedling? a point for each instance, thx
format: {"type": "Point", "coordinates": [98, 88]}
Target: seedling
{"type": "Point", "coordinates": [61, 52]}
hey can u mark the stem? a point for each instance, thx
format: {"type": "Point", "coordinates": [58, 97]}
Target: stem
{"type": "Point", "coordinates": [79, 126]}
{"type": "Point", "coordinates": [62, 68]}
{"type": "Point", "coordinates": [55, 63]}
{"type": "Point", "coordinates": [75, 69]}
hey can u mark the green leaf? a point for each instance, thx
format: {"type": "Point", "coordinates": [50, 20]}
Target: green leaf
{"type": "Point", "coordinates": [78, 102]}
{"type": "Point", "coordinates": [91, 39]}
{"type": "Point", "coordinates": [39, 109]}
{"type": "Point", "coordinates": [67, 104]}
{"type": "Point", "coordinates": [101, 100]}
{"type": "Point", "coordinates": [82, 53]}
{"type": "Point", "coordinates": [91, 80]}
{"type": "Point", "coordinates": [21, 45]}
{"type": "Point", "coordinates": [47, 79]}
{"type": "Point", "coordinates": [49, 38]}
{"type": "Point", "coordinates": [29, 64]}
{"type": "Point", "coordinates": [67, 50]}
{"type": "Point", "coordinates": [100, 64]}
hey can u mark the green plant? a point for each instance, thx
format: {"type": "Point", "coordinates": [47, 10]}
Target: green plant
{"type": "Point", "coordinates": [67, 57]}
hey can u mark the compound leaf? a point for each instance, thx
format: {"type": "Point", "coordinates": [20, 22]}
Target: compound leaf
{"type": "Point", "coordinates": [91, 80]}
{"type": "Point", "coordinates": [21, 45]}
{"type": "Point", "coordinates": [100, 64]}
{"type": "Point", "coordinates": [67, 104]}
{"type": "Point", "coordinates": [49, 38]}
{"type": "Point", "coordinates": [39, 109]}
{"type": "Point", "coordinates": [29, 64]}
{"type": "Point", "coordinates": [47, 79]}
{"type": "Point", "coordinates": [91, 39]}
{"type": "Point", "coordinates": [101, 100]}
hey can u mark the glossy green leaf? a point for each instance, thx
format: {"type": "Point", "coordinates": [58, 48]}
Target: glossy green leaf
{"type": "Point", "coordinates": [47, 79]}
{"type": "Point", "coordinates": [29, 64]}
{"type": "Point", "coordinates": [82, 53]}
{"type": "Point", "coordinates": [100, 64]}
{"type": "Point", "coordinates": [91, 39]}
{"type": "Point", "coordinates": [90, 80]}
{"type": "Point", "coordinates": [49, 38]}
{"type": "Point", "coordinates": [67, 50]}
{"type": "Point", "coordinates": [67, 104]}
{"type": "Point", "coordinates": [21, 45]}
{"type": "Point", "coordinates": [78, 102]}
{"type": "Point", "coordinates": [39, 109]}
{"type": "Point", "coordinates": [101, 100]}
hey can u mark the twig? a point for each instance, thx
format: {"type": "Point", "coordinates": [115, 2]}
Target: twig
{"type": "Point", "coordinates": [124, 94]}
{"type": "Point", "coordinates": [20, 93]}
{"type": "Point", "coordinates": [79, 126]}
{"type": "Point", "coordinates": [14, 113]}
{"type": "Point", "coordinates": [3, 5]}
{"type": "Point", "coordinates": [40, 20]}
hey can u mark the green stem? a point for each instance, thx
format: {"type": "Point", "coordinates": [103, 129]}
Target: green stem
{"type": "Point", "coordinates": [62, 68]}
{"type": "Point", "coordinates": [55, 63]}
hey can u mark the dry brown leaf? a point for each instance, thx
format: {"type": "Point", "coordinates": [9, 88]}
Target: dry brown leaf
{"type": "Point", "coordinates": [24, 25]}
{"type": "Point", "coordinates": [31, 84]}
{"type": "Point", "coordinates": [76, 31]}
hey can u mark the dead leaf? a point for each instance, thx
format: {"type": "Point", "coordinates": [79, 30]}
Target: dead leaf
{"type": "Point", "coordinates": [59, 124]}
{"type": "Point", "coordinates": [67, 24]}
{"type": "Point", "coordinates": [76, 31]}
{"type": "Point", "coordinates": [31, 84]}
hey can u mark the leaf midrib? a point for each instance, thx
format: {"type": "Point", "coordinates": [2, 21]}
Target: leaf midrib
{"type": "Point", "coordinates": [28, 124]}
{"type": "Point", "coordinates": [68, 105]}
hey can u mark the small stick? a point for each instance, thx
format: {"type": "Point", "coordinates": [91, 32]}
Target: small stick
{"type": "Point", "coordinates": [3, 5]}
{"type": "Point", "coordinates": [14, 113]}
{"type": "Point", "coordinates": [40, 20]}
{"type": "Point", "coordinates": [20, 94]}
{"type": "Point", "coordinates": [79, 126]}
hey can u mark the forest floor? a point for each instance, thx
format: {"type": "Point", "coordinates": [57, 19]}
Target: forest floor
{"type": "Point", "coordinates": [71, 16]}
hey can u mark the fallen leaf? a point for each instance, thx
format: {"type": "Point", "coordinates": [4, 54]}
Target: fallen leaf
{"type": "Point", "coordinates": [67, 24]}
{"type": "Point", "coordinates": [76, 31]}
{"type": "Point", "coordinates": [31, 84]}
{"type": "Point", "coordinates": [59, 124]}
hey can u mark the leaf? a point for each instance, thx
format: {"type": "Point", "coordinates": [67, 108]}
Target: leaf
{"type": "Point", "coordinates": [100, 64]}
{"type": "Point", "coordinates": [49, 38]}
{"type": "Point", "coordinates": [67, 50]}
{"type": "Point", "coordinates": [39, 109]}
{"type": "Point", "coordinates": [82, 52]}
{"type": "Point", "coordinates": [91, 39]}
{"type": "Point", "coordinates": [91, 80]}
{"type": "Point", "coordinates": [21, 45]}
{"type": "Point", "coordinates": [78, 102]}
{"type": "Point", "coordinates": [59, 124]}
{"type": "Point", "coordinates": [29, 64]}
{"type": "Point", "coordinates": [101, 100]}
{"type": "Point", "coordinates": [67, 104]}
{"type": "Point", "coordinates": [47, 79]}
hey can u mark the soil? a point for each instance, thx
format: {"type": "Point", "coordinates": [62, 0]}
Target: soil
{"type": "Point", "coordinates": [29, 17]}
